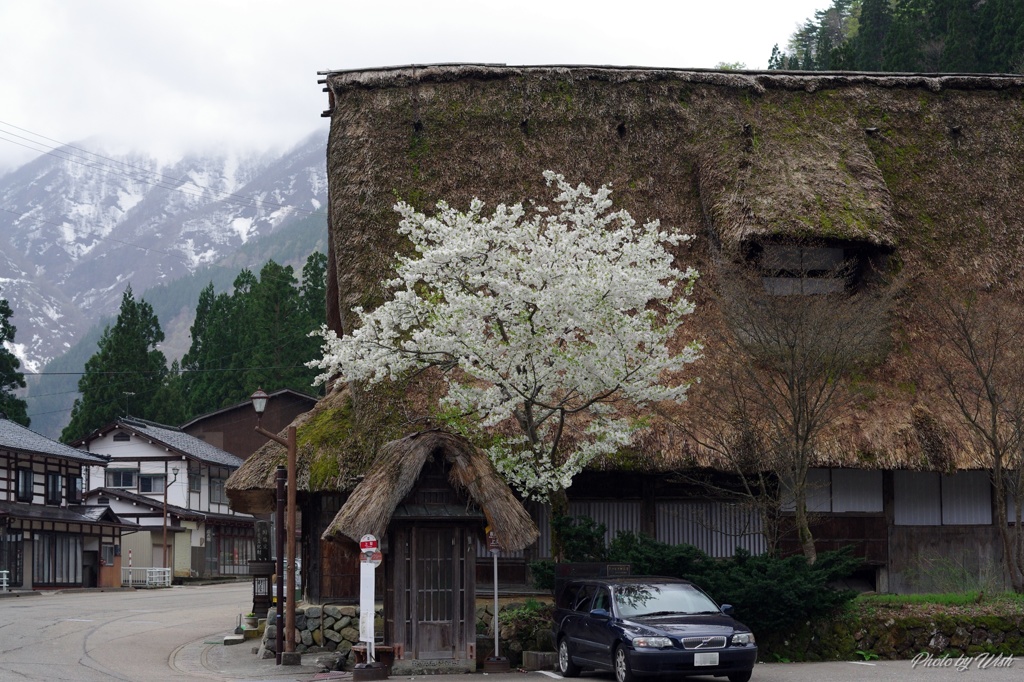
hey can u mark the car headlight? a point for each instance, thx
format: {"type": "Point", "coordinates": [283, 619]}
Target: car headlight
{"type": "Point", "coordinates": [741, 638]}
{"type": "Point", "coordinates": [652, 642]}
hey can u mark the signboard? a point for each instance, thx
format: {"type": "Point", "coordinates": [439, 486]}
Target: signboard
{"type": "Point", "coordinates": [368, 544]}
{"type": "Point", "coordinates": [367, 607]}
{"type": "Point", "coordinates": [369, 561]}
{"type": "Point", "coordinates": [375, 558]}
{"type": "Point", "coordinates": [262, 541]}
{"type": "Point", "coordinates": [492, 542]}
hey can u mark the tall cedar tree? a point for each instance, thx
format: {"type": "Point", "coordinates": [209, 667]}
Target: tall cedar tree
{"type": "Point", "coordinates": [10, 376]}
{"type": "Point", "coordinates": [123, 377]}
{"type": "Point", "coordinates": [256, 336]}
{"type": "Point", "coordinates": [875, 20]}
{"type": "Point", "coordinates": [910, 35]}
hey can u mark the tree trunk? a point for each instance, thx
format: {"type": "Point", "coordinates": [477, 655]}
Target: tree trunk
{"type": "Point", "coordinates": [559, 506]}
{"type": "Point", "coordinates": [803, 528]}
{"type": "Point", "coordinates": [1010, 543]}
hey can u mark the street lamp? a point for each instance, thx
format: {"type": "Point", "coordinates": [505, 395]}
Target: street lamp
{"type": "Point", "coordinates": [174, 471]}
{"type": "Point", "coordinates": [259, 403]}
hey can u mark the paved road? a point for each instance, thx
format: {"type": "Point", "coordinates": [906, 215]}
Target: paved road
{"type": "Point", "coordinates": [171, 634]}
{"type": "Point", "coordinates": [875, 671]}
{"type": "Point", "coordinates": [177, 634]}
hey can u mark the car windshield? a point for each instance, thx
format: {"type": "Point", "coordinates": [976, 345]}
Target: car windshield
{"type": "Point", "coordinates": [670, 599]}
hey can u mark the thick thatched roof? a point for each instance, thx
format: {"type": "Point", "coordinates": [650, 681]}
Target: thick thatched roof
{"type": "Point", "coordinates": [922, 169]}
{"type": "Point", "coordinates": [394, 473]}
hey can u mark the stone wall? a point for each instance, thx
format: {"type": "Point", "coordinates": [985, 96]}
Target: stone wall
{"type": "Point", "coordinates": [896, 636]}
{"type": "Point", "coordinates": [318, 629]}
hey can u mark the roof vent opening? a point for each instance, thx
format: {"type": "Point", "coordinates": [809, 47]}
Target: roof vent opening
{"type": "Point", "coordinates": [801, 269]}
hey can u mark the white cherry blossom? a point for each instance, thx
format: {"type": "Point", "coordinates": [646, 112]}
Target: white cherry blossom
{"type": "Point", "coordinates": [535, 315]}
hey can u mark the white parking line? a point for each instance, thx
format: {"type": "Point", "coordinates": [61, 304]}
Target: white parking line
{"type": "Point", "coordinates": [551, 674]}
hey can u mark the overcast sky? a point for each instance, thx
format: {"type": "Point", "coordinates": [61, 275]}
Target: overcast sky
{"type": "Point", "coordinates": [170, 76]}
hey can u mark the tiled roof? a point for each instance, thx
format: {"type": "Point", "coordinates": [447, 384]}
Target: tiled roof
{"type": "Point", "coordinates": [158, 505]}
{"type": "Point", "coordinates": [247, 405]}
{"type": "Point", "coordinates": [39, 512]}
{"type": "Point", "coordinates": [17, 438]}
{"type": "Point", "coordinates": [178, 440]}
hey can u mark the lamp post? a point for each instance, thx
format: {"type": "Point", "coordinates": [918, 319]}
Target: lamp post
{"type": "Point", "coordinates": [174, 471]}
{"type": "Point", "coordinates": [259, 403]}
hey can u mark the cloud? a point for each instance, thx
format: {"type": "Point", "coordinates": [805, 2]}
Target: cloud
{"type": "Point", "coordinates": [170, 76]}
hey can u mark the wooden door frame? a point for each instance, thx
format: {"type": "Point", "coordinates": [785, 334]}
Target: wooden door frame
{"type": "Point", "coordinates": [401, 612]}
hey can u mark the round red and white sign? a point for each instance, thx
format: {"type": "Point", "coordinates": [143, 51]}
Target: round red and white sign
{"type": "Point", "coordinates": [373, 558]}
{"type": "Point", "coordinates": [368, 544]}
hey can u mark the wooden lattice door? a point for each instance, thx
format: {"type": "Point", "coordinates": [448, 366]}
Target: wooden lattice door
{"type": "Point", "coordinates": [438, 584]}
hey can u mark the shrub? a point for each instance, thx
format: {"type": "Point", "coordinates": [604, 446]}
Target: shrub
{"type": "Point", "coordinates": [525, 627]}
{"type": "Point", "coordinates": [770, 594]}
{"type": "Point", "coordinates": [582, 538]}
{"type": "Point", "coordinates": [542, 574]}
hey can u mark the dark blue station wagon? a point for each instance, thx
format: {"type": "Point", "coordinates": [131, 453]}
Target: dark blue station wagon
{"type": "Point", "coordinates": [640, 626]}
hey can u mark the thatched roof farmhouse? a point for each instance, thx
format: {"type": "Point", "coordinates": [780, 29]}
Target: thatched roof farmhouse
{"type": "Point", "coordinates": [917, 176]}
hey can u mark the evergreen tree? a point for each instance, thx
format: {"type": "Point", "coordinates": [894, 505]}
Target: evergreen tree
{"type": "Point", "coordinates": [218, 355]}
{"type": "Point", "coordinates": [169, 405]}
{"type": "Point", "coordinates": [875, 21]}
{"type": "Point", "coordinates": [958, 54]}
{"type": "Point", "coordinates": [256, 336]}
{"type": "Point", "coordinates": [276, 334]}
{"type": "Point", "coordinates": [903, 48]}
{"type": "Point", "coordinates": [314, 289]}
{"type": "Point", "coordinates": [11, 378]}
{"type": "Point", "coordinates": [125, 373]}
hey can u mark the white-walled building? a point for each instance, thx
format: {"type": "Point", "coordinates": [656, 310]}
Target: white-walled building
{"type": "Point", "coordinates": [153, 467]}
{"type": "Point", "coordinates": [48, 539]}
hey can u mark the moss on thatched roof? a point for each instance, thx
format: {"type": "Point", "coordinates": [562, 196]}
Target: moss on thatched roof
{"type": "Point", "coordinates": [334, 448]}
{"type": "Point", "coordinates": [923, 167]}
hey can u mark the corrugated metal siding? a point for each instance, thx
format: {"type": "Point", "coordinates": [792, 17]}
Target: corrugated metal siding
{"type": "Point", "coordinates": [714, 527]}
{"type": "Point", "coordinates": [967, 499]}
{"type": "Point", "coordinates": [856, 490]}
{"type": "Point", "coordinates": [617, 516]}
{"type": "Point", "coordinates": [916, 500]}
{"type": "Point", "coordinates": [818, 492]}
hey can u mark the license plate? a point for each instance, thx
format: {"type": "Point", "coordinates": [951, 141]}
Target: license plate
{"type": "Point", "coordinates": [709, 658]}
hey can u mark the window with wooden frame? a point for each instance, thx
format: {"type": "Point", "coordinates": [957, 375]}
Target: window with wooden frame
{"type": "Point", "coordinates": [54, 487]}
{"type": "Point", "coordinates": [121, 478]}
{"type": "Point", "coordinates": [151, 483]}
{"type": "Point", "coordinates": [75, 488]}
{"type": "Point", "coordinates": [217, 493]}
{"type": "Point", "coordinates": [25, 484]}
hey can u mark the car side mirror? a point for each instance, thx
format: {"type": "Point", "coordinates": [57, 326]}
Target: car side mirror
{"type": "Point", "coordinates": [726, 609]}
{"type": "Point", "coordinates": [600, 613]}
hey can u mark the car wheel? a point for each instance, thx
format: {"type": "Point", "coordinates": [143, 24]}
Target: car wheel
{"type": "Point", "coordinates": [565, 664]}
{"type": "Point", "coordinates": [623, 672]}
{"type": "Point", "coordinates": [740, 677]}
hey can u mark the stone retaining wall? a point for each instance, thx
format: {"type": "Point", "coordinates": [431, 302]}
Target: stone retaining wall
{"type": "Point", "coordinates": [896, 636]}
{"type": "Point", "coordinates": [317, 629]}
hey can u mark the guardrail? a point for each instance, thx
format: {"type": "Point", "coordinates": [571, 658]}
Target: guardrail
{"type": "Point", "coordinates": [142, 576]}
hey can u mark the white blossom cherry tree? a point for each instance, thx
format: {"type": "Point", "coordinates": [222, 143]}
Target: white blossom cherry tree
{"type": "Point", "coordinates": [535, 317]}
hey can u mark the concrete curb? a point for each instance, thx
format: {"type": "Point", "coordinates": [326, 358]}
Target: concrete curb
{"type": "Point", "coordinates": [12, 595]}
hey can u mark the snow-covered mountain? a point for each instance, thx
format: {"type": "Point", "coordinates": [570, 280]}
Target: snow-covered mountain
{"type": "Point", "coordinates": [76, 228]}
